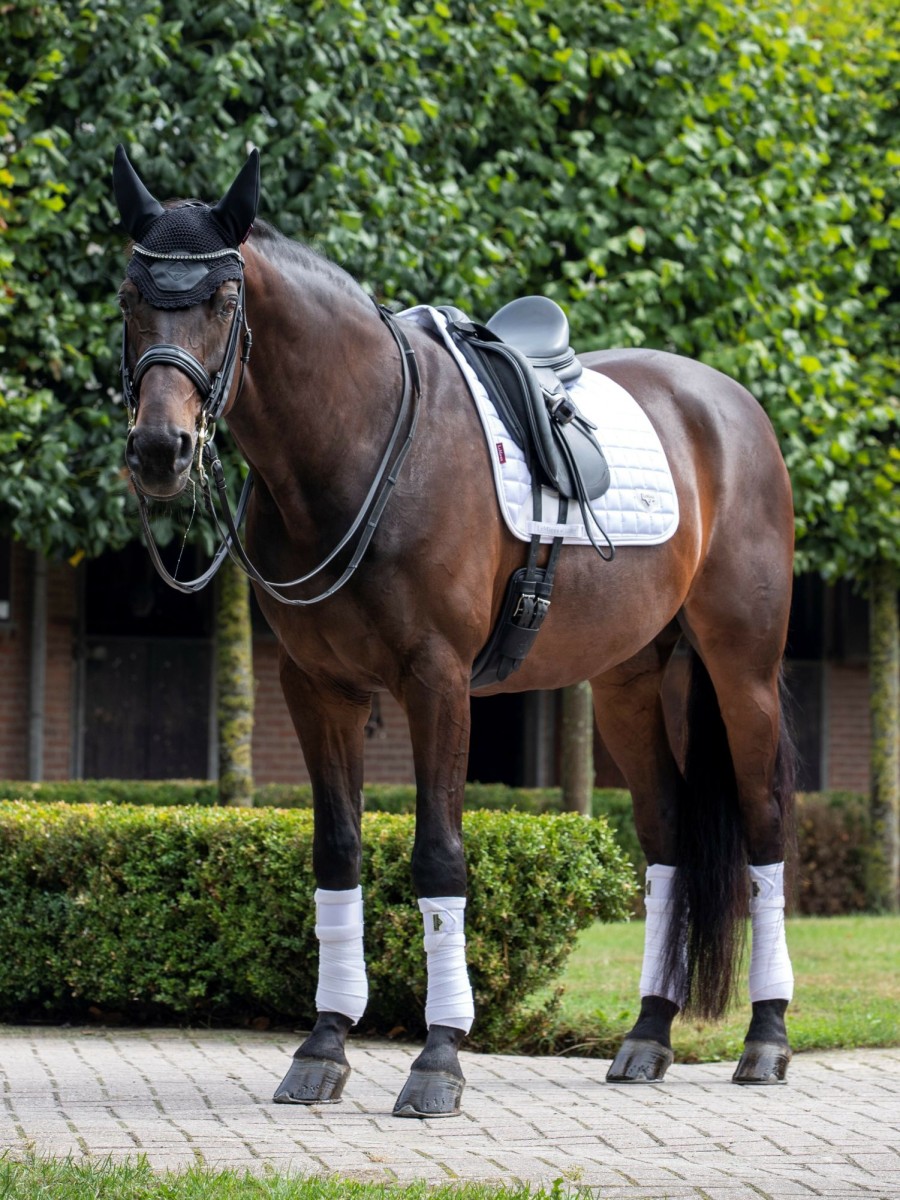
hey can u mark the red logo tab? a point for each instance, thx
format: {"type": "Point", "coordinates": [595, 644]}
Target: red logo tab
{"type": "Point", "coordinates": [501, 453]}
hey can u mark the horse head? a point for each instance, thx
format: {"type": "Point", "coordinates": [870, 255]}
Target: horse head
{"type": "Point", "coordinates": [182, 304]}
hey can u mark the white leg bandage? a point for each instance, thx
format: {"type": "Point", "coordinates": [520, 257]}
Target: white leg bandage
{"type": "Point", "coordinates": [449, 999]}
{"type": "Point", "coordinates": [658, 902]}
{"type": "Point", "coordinates": [771, 975]}
{"type": "Point", "coordinates": [343, 987]}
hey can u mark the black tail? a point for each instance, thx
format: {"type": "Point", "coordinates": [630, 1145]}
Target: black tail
{"type": "Point", "coordinates": [711, 891]}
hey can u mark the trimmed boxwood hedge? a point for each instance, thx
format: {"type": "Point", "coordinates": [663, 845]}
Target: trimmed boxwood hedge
{"type": "Point", "coordinates": [194, 913]}
{"type": "Point", "coordinates": [833, 828]}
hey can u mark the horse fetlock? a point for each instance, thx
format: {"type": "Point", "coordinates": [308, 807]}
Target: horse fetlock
{"type": "Point", "coordinates": [327, 1038]}
{"type": "Point", "coordinates": [654, 1023]}
{"type": "Point", "coordinates": [441, 1051]}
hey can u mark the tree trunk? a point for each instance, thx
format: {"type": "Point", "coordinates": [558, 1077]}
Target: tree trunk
{"type": "Point", "coordinates": [577, 760]}
{"type": "Point", "coordinates": [234, 686]}
{"type": "Point", "coordinates": [884, 669]}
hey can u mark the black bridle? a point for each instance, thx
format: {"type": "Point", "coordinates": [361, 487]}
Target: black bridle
{"type": "Point", "coordinates": [214, 393]}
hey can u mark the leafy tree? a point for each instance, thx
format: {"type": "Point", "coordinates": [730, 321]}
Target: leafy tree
{"type": "Point", "coordinates": [688, 174]}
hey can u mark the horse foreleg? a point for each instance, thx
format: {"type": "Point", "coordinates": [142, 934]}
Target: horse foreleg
{"type": "Point", "coordinates": [630, 718]}
{"type": "Point", "coordinates": [437, 704]}
{"type": "Point", "coordinates": [330, 728]}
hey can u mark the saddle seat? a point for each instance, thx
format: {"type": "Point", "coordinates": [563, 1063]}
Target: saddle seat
{"type": "Point", "coordinates": [539, 328]}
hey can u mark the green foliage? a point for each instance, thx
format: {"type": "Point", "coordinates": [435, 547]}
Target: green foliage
{"type": "Point", "coordinates": [834, 852]}
{"type": "Point", "coordinates": [695, 176]}
{"type": "Point", "coordinates": [834, 829]}
{"type": "Point", "coordinates": [197, 913]}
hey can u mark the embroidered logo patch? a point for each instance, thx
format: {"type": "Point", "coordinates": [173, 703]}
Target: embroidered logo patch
{"type": "Point", "coordinates": [650, 500]}
{"type": "Point", "coordinates": [436, 922]}
{"type": "Point", "coordinates": [501, 452]}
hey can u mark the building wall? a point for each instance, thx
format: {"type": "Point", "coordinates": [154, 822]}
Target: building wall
{"type": "Point", "coordinates": [59, 697]}
{"type": "Point", "coordinates": [847, 729]}
{"type": "Point", "coordinates": [14, 640]}
{"type": "Point", "coordinates": [276, 751]}
{"type": "Point", "coordinates": [843, 719]}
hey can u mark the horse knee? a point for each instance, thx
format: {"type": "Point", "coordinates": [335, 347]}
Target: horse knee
{"type": "Point", "coordinates": [439, 869]}
{"type": "Point", "coordinates": [337, 858]}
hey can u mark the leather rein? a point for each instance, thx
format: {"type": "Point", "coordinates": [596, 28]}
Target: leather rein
{"type": "Point", "coordinates": [214, 393]}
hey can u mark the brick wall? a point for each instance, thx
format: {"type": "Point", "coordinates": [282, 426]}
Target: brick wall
{"type": "Point", "coordinates": [847, 730]}
{"type": "Point", "coordinates": [59, 697]}
{"type": "Point", "coordinates": [276, 752]}
{"type": "Point", "coordinates": [14, 636]}
{"type": "Point", "coordinates": [15, 646]}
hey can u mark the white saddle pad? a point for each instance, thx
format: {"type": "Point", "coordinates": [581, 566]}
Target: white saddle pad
{"type": "Point", "coordinates": [641, 506]}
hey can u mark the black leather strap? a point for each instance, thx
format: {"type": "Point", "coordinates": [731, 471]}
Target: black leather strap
{"type": "Point", "coordinates": [173, 356]}
{"type": "Point", "coordinates": [371, 511]}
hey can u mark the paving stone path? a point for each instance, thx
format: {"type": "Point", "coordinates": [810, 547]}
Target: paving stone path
{"type": "Point", "coordinates": [183, 1097]}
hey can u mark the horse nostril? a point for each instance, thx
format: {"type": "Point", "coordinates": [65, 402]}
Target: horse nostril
{"type": "Point", "coordinates": [132, 458]}
{"type": "Point", "coordinates": [185, 451]}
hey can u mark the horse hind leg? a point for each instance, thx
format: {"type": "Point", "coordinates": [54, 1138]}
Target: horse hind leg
{"type": "Point", "coordinates": [629, 713]}
{"type": "Point", "coordinates": [766, 805]}
{"type": "Point", "coordinates": [744, 672]}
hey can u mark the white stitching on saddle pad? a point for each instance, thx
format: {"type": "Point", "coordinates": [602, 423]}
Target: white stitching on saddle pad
{"type": "Point", "coordinates": [641, 506]}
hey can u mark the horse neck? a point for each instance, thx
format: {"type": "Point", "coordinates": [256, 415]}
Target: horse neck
{"type": "Point", "coordinates": [321, 393]}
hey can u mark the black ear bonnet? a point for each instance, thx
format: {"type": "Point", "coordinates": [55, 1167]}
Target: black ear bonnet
{"type": "Point", "coordinates": [181, 255]}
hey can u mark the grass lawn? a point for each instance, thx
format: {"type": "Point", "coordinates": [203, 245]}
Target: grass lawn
{"type": "Point", "coordinates": [65, 1179]}
{"type": "Point", "coordinates": [847, 991]}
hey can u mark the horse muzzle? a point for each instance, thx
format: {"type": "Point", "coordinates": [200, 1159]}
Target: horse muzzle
{"type": "Point", "coordinates": [159, 458]}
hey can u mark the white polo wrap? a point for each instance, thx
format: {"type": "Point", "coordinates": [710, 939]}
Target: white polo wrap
{"type": "Point", "coordinates": [660, 882]}
{"type": "Point", "coordinates": [343, 986]}
{"type": "Point", "coordinates": [771, 974]}
{"type": "Point", "coordinates": [449, 998]}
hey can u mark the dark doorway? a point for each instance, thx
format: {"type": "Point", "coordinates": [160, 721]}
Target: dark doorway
{"type": "Point", "coordinates": [146, 654]}
{"type": "Point", "coordinates": [495, 748]}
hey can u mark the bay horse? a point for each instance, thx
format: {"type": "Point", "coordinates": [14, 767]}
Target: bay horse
{"type": "Point", "coordinates": [369, 460]}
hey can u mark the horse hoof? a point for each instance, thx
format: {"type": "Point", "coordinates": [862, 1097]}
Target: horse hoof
{"type": "Point", "coordinates": [312, 1081]}
{"type": "Point", "coordinates": [430, 1094]}
{"type": "Point", "coordinates": [762, 1063]}
{"type": "Point", "coordinates": [640, 1061]}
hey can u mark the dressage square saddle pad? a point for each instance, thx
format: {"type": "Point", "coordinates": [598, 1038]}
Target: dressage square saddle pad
{"type": "Point", "coordinates": [641, 506]}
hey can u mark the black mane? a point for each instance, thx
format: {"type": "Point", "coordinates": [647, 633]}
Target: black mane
{"type": "Point", "coordinates": [284, 252]}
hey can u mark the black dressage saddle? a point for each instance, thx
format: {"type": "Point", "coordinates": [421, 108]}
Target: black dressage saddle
{"type": "Point", "coordinates": [523, 358]}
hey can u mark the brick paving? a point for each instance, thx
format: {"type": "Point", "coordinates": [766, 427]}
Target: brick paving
{"type": "Point", "coordinates": [185, 1097]}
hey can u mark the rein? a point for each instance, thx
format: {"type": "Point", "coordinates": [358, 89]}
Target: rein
{"type": "Point", "coordinates": [214, 394]}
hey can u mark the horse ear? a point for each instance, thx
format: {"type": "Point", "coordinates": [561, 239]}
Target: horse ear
{"type": "Point", "coordinates": [237, 208]}
{"type": "Point", "coordinates": [137, 207]}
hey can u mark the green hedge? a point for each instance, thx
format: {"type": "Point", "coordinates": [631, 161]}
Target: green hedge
{"type": "Point", "coordinates": [207, 914]}
{"type": "Point", "coordinates": [833, 831]}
